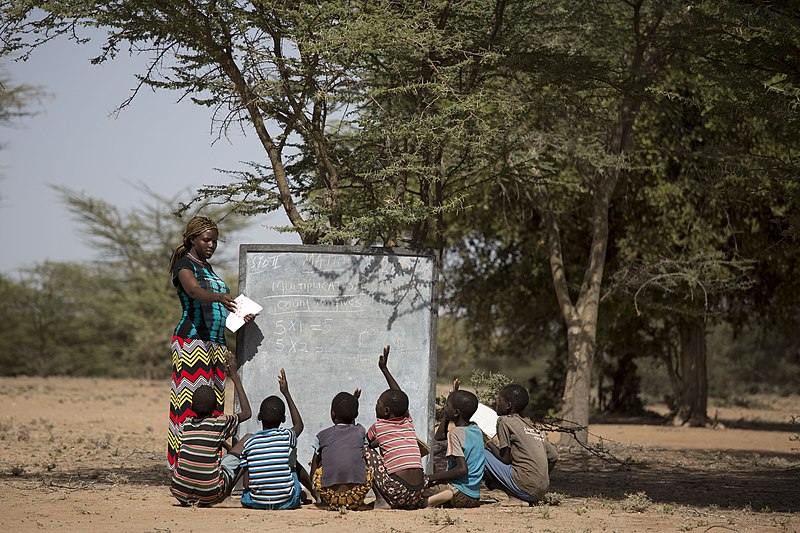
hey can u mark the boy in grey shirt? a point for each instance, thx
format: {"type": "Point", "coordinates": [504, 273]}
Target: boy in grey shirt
{"type": "Point", "coordinates": [521, 462]}
{"type": "Point", "coordinates": [340, 474]}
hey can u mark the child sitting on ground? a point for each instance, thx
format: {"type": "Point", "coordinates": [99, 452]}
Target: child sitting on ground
{"type": "Point", "coordinates": [398, 479]}
{"type": "Point", "coordinates": [338, 469]}
{"type": "Point", "coordinates": [202, 475]}
{"type": "Point", "coordinates": [521, 462]}
{"type": "Point", "coordinates": [464, 453]}
{"type": "Point", "coordinates": [270, 477]}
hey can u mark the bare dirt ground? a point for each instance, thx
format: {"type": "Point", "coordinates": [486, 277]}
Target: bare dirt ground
{"type": "Point", "coordinates": [88, 455]}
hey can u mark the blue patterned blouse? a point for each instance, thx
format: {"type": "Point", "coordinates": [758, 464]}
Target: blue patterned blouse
{"type": "Point", "coordinates": [204, 321]}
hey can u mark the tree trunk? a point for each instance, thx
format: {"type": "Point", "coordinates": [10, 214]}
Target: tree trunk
{"type": "Point", "coordinates": [575, 410]}
{"type": "Point", "coordinates": [691, 400]}
{"type": "Point", "coordinates": [580, 318]}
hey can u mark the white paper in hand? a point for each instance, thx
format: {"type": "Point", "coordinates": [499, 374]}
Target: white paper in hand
{"type": "Point", "coordinates": [486, 419]}
{"type": "Point", "coordinates": [244, 306]}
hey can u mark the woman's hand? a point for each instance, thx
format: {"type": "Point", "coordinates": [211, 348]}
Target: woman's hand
{"type": "Point", "coordinates": [225, 299]}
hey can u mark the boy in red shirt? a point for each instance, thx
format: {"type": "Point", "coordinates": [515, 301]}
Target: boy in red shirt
{"type": "Point", "coordinates": [398, 478]}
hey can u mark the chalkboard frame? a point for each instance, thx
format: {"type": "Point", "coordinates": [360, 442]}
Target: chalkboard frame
{"type": "Point", "coordinates": [246, 249]}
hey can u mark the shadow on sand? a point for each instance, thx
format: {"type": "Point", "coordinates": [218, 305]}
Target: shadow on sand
{"type": "Point", "coordinates": [727, 480]}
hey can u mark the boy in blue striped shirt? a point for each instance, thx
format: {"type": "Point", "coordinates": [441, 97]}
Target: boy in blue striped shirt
{"type": "Point", "coordinates": [270, 477]}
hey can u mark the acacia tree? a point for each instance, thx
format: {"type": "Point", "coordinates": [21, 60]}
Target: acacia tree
{"type": "Point", "coordinates": [343, 98]}
{"type": "Point", "coordinates": [573, 144]}
{"type": "Point", "coordinates": [576, 132]}
{"type": "Point", "coordinates": [376, 119]}
{"type": "Point", "coordinates": [725, 131]}
{"type": "Point", "coordinates": [263, 68]}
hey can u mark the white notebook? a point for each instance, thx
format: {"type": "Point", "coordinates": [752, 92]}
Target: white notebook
{"type": "Point", "coordinates": [244, 306]}
{"type": "Point", "coordinates": [486, 419]}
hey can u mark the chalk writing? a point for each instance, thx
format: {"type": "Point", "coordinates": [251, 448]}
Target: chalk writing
{"type": "Point", "coordinates": [328, 312]}
{"type": "Point", "coordinates": [261, 262]}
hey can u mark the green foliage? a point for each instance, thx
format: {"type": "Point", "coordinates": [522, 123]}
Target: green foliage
{"type": "Point", "coordinates": [363, 113]}
{"type": "Point", "coordinates": [488, 386]}
{"type": "Point", "coordinates": [61, 321]}
{"type": "Point", "coordinates": [744, 362]}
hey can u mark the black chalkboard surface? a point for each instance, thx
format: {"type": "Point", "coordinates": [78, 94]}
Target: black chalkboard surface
{"type": "Point", "coordinates": [328, 313]}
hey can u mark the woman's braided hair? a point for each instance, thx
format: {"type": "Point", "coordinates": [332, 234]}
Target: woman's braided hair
{"type": "Point", "coordinates": [195, 227]}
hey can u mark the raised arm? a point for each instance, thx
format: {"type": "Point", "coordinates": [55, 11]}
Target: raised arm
{"type": "Point", "coordinates": [382, 364]}
{"type": "Point", "coordinates": [444, 425]}
{"type": "Point", "coordinates": [244, 404]}
{"type": "Point", "coordinates": [297, 420]}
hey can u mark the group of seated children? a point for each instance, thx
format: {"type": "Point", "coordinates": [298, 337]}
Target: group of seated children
{"type": "Point", "coordinates": [346, 465]}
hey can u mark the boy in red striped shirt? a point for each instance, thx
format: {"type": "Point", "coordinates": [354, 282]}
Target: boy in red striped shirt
{"type": "Point", "coordinates": [398, 478]}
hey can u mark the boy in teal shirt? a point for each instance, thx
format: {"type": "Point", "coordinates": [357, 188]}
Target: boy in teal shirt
{"type": "Point", "coordinates": [465, 458]}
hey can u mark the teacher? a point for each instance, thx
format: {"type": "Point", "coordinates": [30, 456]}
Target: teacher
{"type": "Point", "coordinates": [198, 343]}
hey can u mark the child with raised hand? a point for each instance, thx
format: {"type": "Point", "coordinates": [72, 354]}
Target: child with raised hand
{"type": "Point", "coordinates": [339, 471]}
{"type": "Point", "coordinates": [521, 461]}
{"type": "Point", "coordinates": [202, 475]}
{"type": "Point", "coordinates": [398, 478]}
{"type": "Point", "coordinates": [270, 477]}
{"type": "Point", "coordinates": [464, 453]}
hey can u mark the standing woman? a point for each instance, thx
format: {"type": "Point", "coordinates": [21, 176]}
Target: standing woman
{"type": "Point", "coordinates": [198, 344]}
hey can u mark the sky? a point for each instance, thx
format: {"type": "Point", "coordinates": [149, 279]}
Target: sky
{"type": "Point", "coordinates": [75, 140]}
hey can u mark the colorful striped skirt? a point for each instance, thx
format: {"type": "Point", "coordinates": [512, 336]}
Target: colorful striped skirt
{"type": "Point", "coordinates": [194, 363]}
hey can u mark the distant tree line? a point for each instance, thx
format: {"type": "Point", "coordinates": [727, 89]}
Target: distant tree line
{"type": "Point", "coordinates": [601, 181]}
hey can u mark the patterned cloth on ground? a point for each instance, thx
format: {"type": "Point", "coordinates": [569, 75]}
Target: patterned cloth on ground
{"type": "Point", "coordinates": [397, 493]}
{"type": "Point", "coordinates": [349, 499]}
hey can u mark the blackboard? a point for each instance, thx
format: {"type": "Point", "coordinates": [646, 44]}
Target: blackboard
{"type": "Point", "coordinates": [328, 313]}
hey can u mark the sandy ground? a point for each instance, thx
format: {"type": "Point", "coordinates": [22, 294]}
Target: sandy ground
{"type": "Point", "coordinates": [88, 454]}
